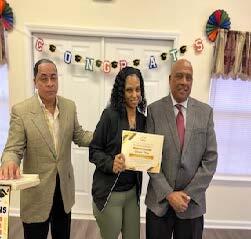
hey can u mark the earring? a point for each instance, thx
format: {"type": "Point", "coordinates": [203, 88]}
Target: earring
{"type": "Point", "coordinates": [140, 99]}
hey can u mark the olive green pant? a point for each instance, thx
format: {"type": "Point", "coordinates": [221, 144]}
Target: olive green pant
{"type": "Point", "coordinates": [121, 214]}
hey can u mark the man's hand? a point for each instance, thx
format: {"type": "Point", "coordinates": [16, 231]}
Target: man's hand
{"type": "Point", "coordinates": [9, 170]}
{"type": "Point", "coordinates": [119, 163]}
{"type": "Point", "coordinates": [179, 201]}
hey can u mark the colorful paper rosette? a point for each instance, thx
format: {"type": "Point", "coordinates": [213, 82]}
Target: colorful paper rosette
{"type": "Point", "coordinates": [6, 15]}
{"type": "Point", "coordinates": [219, 19]}
{"type": "Point", "coordinates": [2, 5]}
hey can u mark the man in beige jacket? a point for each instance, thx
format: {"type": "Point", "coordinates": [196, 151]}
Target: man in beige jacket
{"type": "Point", "coordinates": [41, 131]}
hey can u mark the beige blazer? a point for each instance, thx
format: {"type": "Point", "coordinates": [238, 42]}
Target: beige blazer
{"type": "Point", "coordinates": [190, 170]}
{"type": "Point", "coordinates": [29, 139]}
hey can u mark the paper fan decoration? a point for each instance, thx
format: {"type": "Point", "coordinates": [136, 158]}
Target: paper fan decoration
{"type": "Point", "coordinates": [219, 19]}
{"type": "Point", "coordinates": [6, 15]}
{"type": "Point", "coordinates": [2, 5]}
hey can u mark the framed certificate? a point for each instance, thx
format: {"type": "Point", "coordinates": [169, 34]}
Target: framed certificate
{"type": "Point", "coordinates": [142, 151]}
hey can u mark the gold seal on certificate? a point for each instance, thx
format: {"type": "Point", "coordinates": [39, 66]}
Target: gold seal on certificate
{"type": "Point", "coordinates": [142, 151]}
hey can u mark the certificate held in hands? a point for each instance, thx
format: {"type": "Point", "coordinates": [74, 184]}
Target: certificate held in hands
{"type": "Point", "coordinates": [143, 152]}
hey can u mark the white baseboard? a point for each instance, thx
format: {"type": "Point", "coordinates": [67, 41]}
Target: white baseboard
{"type": "Point", "coordinates": [14, 212]}
{"type": "Point", "coordinates": [228, 224]}
{"type": "Point", "coordinates": [83, 216]}
{"type": "Point", "coordinates": [209, 224]}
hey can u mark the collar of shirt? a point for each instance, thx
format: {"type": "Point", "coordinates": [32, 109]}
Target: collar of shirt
{"type": "Point", "coordinates": [184, 103]}
{"type": "Point", "coordinates": [43, 105]}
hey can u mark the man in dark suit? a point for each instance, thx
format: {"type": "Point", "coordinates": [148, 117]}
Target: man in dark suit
{"type": "Point", "coordinates": [176, 196]}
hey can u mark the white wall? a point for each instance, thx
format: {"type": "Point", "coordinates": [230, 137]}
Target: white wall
{"type": "Point", "coordinates": [225, 203]}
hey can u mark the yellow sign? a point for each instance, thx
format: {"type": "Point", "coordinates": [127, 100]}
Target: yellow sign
{"type": "Point", "coordinates": [4, 211]}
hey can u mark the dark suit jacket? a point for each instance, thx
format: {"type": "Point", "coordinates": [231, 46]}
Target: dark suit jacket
{"type": "Point", "coordinates": [105, 145]}
{"type": "Point", "coordinates": [191, 170]}
{"type": "Point", "coordinates": [30, 139]}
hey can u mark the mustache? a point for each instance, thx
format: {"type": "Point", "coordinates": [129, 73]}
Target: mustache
{"type": "Point", "coordinates": [180, 87]}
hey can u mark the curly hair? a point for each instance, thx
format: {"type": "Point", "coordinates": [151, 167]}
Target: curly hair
{"type": "Point", "coordinates": [117, 101]}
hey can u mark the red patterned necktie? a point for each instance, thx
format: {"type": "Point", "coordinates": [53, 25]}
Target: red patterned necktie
{"type": "Point", "coordinates": [180, 125]}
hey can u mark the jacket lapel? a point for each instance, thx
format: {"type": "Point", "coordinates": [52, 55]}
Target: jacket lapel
{"type": "Point", "coordinates": [62, 122]}
{"type": "Point", "coordinates": [169, 112]}
{"type": "Point", "coordinates": [41, 124]}
{"type": "Point", "coordinates": [190, 117]}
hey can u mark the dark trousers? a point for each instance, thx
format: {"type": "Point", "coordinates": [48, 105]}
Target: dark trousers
{"type": "Point", "coordinates": [59, 220]}
{"type": "Point", "coordinates": [168, 225]}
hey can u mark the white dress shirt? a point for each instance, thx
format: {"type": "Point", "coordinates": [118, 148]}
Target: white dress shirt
{"type": "Point", "coordinates": [52, 122]}
{"type": "Point", "coordinates": [183, 108]}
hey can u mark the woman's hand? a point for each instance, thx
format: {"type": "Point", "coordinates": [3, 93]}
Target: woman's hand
{"type": "Point", "coordinates": [119, 163]}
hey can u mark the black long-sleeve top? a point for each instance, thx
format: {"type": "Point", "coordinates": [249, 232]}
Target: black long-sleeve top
{"type": "Point", "coordinates": [106, 143]}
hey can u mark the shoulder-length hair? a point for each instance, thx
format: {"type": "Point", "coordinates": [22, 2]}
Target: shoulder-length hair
{"type": "Point", "coordinates": [117, 101]}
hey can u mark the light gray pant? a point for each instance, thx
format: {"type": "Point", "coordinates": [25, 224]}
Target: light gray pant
{"type": "Point", "coordinates": [121, 214]}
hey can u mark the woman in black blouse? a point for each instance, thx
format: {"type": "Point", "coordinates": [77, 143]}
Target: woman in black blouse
{"type": "Point", "coordinates": [116, 191]}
